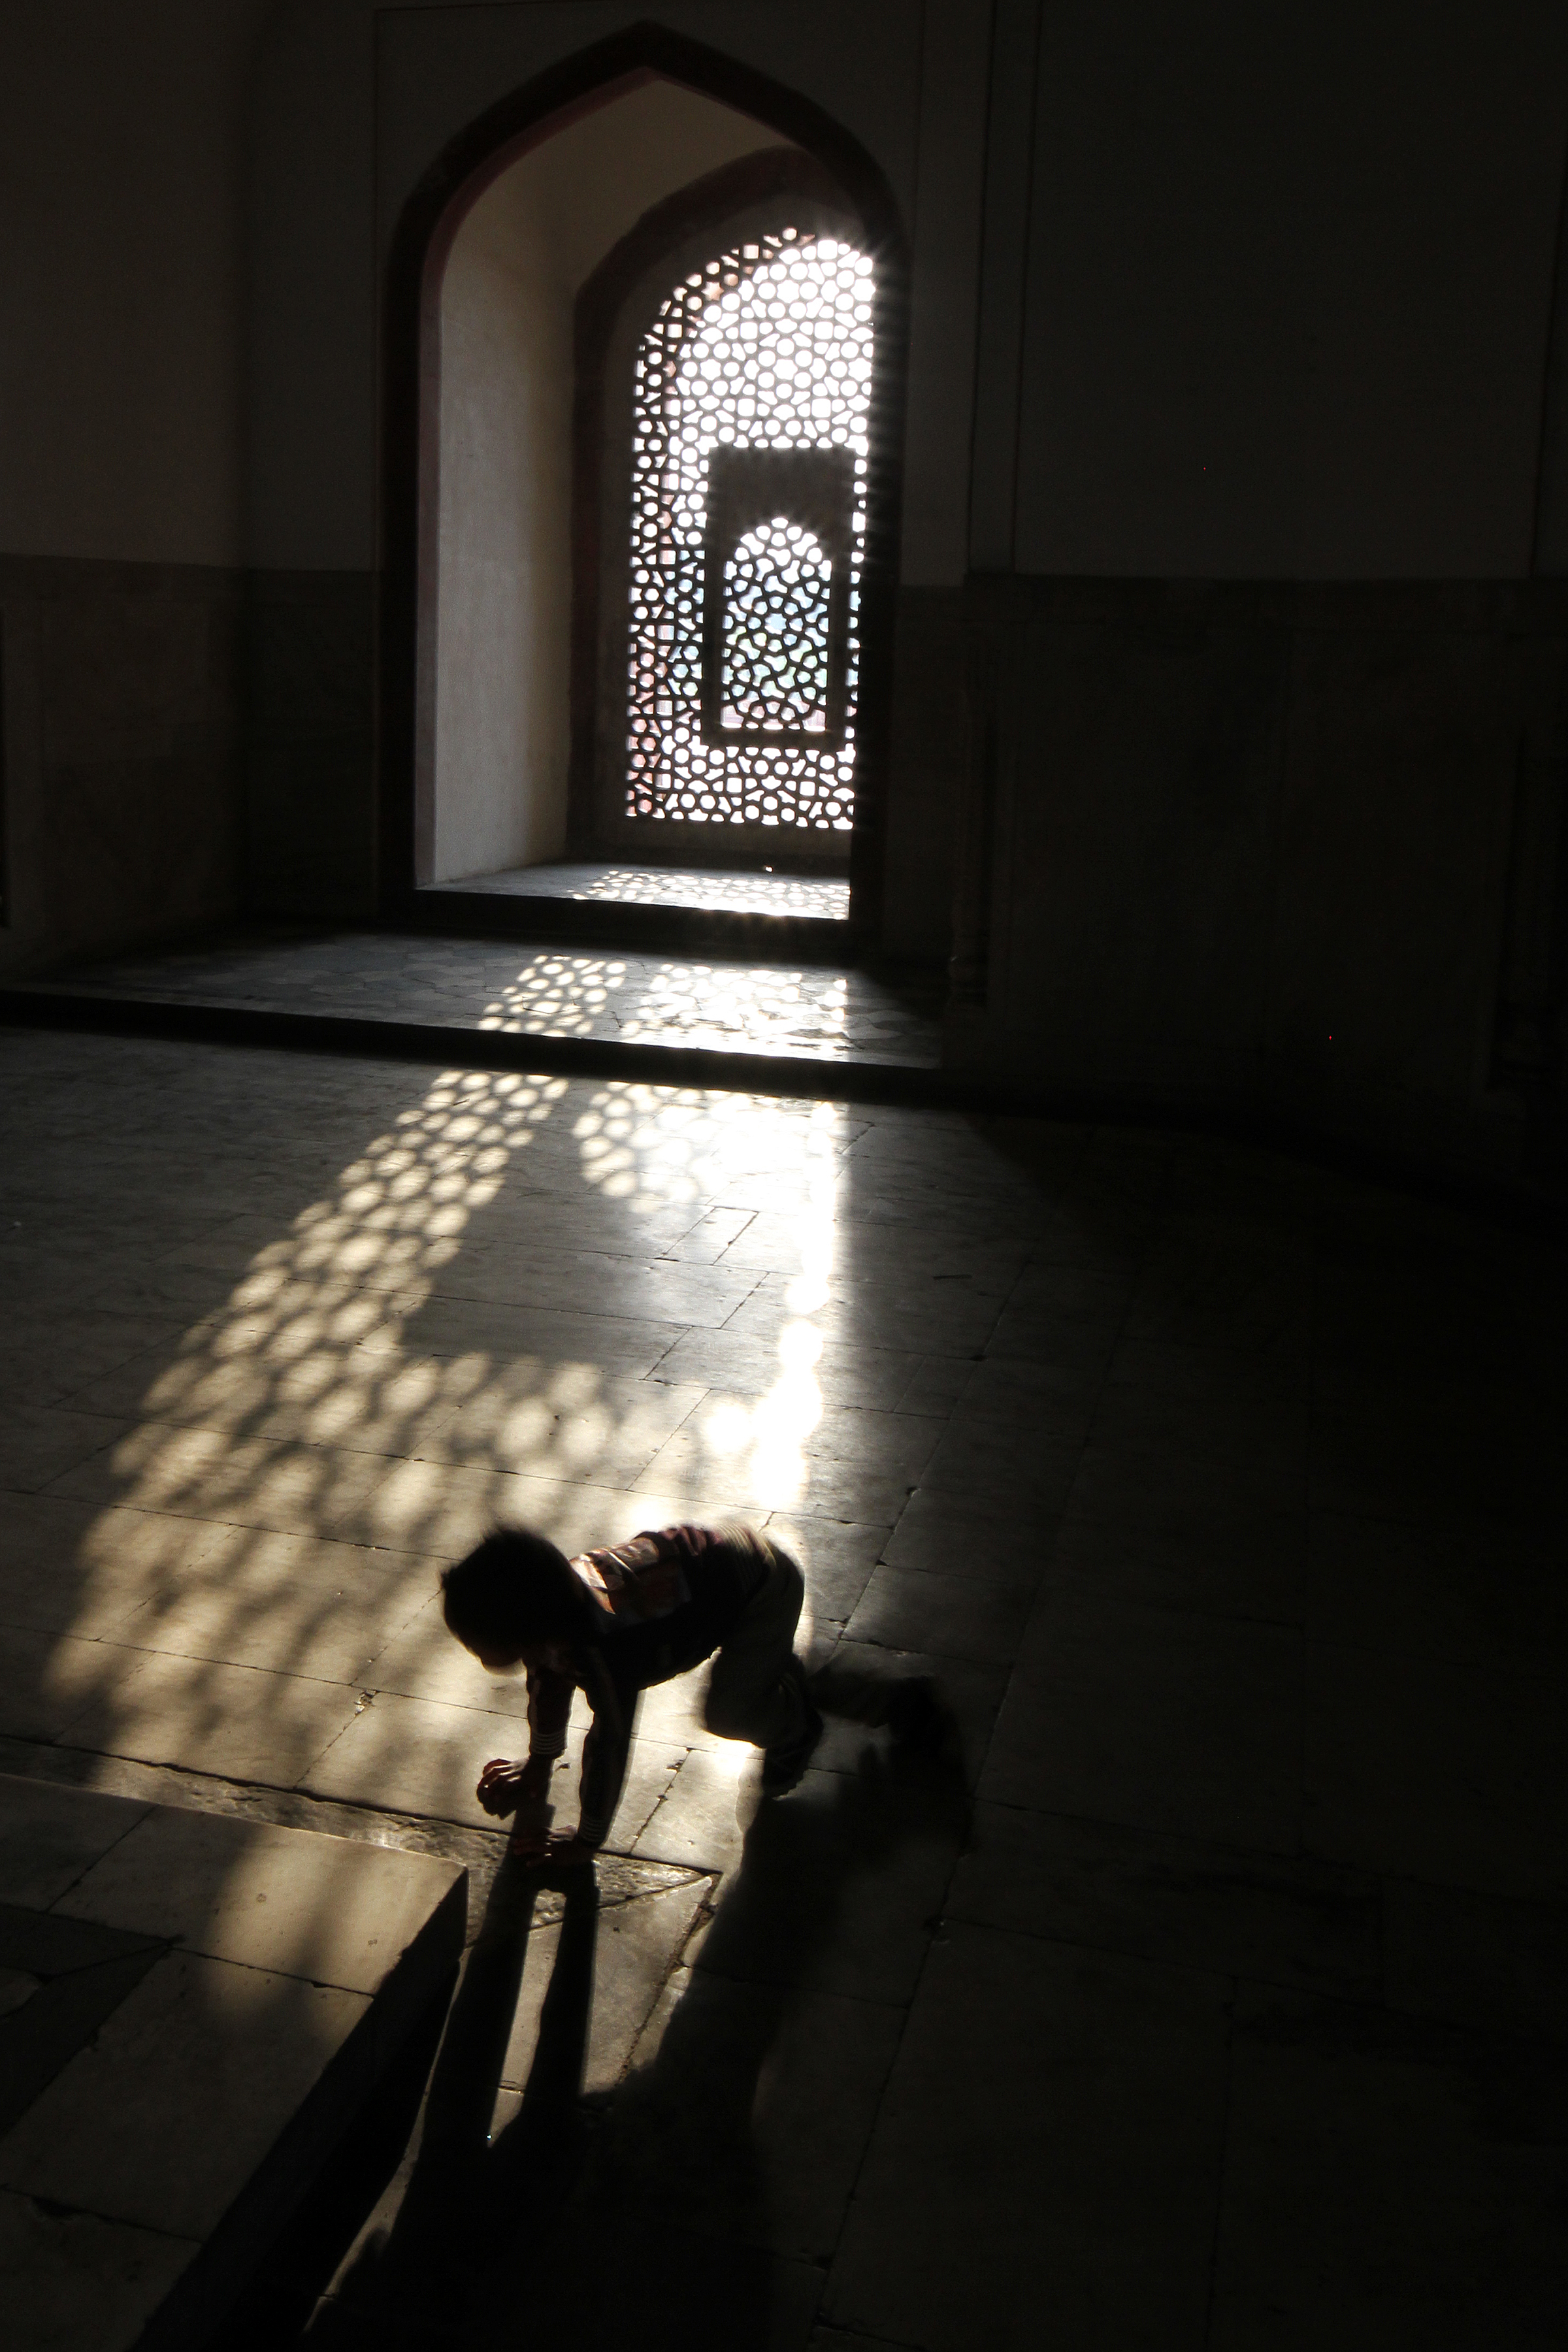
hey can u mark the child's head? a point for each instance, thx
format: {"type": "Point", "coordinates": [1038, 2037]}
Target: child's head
{"type": "Point", "coordinates": [514, 1598]}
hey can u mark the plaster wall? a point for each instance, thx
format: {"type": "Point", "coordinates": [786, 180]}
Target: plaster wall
{"type": "Point", "coordinates": [122, 135]}
{"type": "Point", "coordinates": [1288, 288]}
{"type": "Point", "coordinates": [505, 477]}
{"type": "Point", "coordinates": [122, 175]}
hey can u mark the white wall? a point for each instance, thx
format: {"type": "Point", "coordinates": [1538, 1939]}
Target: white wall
{"type": "Point", "coordinates": [505, 563]}
{"type": "Point", "coordinates": [122, 171]}
{"type": "Point", "coordinates": [504, 599]}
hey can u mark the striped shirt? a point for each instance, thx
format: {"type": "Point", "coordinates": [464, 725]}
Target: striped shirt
{"type": "Point", "coordinates": [666, 1601]}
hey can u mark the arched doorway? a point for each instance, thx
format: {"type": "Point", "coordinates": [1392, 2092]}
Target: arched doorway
{"type": "Point", "coordinates": [795, 633]}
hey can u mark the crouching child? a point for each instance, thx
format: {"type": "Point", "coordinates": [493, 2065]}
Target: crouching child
{"type": "Point", "coordinates": [610, 1623]}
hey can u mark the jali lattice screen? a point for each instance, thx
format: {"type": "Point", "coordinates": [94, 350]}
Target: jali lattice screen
{"type": "Point", "coordinates": [742, 711]}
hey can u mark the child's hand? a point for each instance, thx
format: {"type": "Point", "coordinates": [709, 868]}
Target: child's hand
{"type": "Point", "coordinates": [508, 1788]}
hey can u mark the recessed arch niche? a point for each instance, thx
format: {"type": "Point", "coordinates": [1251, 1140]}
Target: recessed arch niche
{"type": "Point", "coordinates": [514, 273]}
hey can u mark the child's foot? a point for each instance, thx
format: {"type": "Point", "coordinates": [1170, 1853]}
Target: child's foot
{"type": "Point", "coordinates": [787, 1759]}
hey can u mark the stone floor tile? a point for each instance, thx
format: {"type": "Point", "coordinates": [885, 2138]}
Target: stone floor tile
{"type": "Point", "coordinates": [957, 1319]}
{"type": "Point", "coordinates": [237, 2053]}
{"type": "Point", "coordinates": [1491, 1961]}
{"type": "Point", "coordinates": [1051, 1402]}
{"type": "Point", "coordinates": [1154, 1718]}
{"type": "Point", "coordinates": [708, 1240]}
{"type": "Point", "coordinates": [938, 1385]}
{"type": "Point", "coordinates": [1428, 1770]}
{"type": "Point", "coordinates": [581, 1281]}
{"type": "Point", "coordinates": [1061, 2113]}
{"type": "Point", "coordinates": [645, 2297]}
{"type": "Point", "coordinates": [422, 1660]}
{"type": "Point", "coordinates": [243, 1722]}
{"type": "Point", "coordinates": [445, 1508]}
{"type": "Point", "coordinates": [603, 1429]}
{"type": "Point", "coordinates": [985, 1536]}
{"type": "Point", "coordinates": [51, 1835]}
{"type": "Point", "coordinates": [835, 1557]}
{"type": "Point", "coordinates": [45, 1360]}
{"type": "Point", "coordinates": [1214, 1281]}
{"type": "Point", "coordinates": [43, 1676]}
{"type": "Point", "coordinates": [76, 2282]}
{"type": "Point", "coordinates": [637, 1946]}
{"type": "Point", "coordinates": [896, 1444]}
{"type": "Point", "coordinates": [843, 1880]}
{"type": "Point", "coordinates": [1472, 1591]}
{"type": "Point", "coordinates": [725, 1467]}
{"type": "Point", "coordinates": [1173, 1489]}
{"type": "Point", "coordinates": [622, 1345]}
{"type": "Point", "coordinates": [1181, 1900]}
{"type": "Point", "coordinates": [751, 2107]}
{"type": "Point", "coordinates": [205, 1475]}
{"type": "Point", "coordinates": [1207, 1422]}
{"type": "Point", "coordinates": [701, 1820]}
{"type": "Point", "coordinates": [411, 1755]}
{"type": "Point", "coordinates": [1243, 1564]}
{"type": "Point", "coordinates": [67, 1567]}
{"type": "Point", "coordinates": [1068, 1343]}
{"type": "Point", "coordinates": [251, 1598]}
{"type": "Point", "coordinates": [40, 1443]}
{"type": "Point", "coordinates": [1432, 1449]}
{"type": "Point", "coordinates": [747, 1365]}
{"type": "Point", "coordinates": [979, 1619]}
{"type": "Point", "coordinates": [331, 1910]}
{"type": "Point", "coordinates": [340, 1395]}
{"type": "Point", "coordinates": [1388, 2180]}
{"type": "Point", "coordinates": [980, 1458]}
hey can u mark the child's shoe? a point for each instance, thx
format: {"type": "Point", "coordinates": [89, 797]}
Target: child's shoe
{"type": "Point", "coordinates": [787, 1759]}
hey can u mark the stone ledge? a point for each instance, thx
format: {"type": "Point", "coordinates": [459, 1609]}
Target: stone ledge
{"type": "Point", "coordinates": [264, 1979]}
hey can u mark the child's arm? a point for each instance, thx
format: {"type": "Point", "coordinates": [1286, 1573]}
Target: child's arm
{"type": "Point", "coordinates": [525, 1789]}
{"type": "Point", "coordinates": [605, 1753]}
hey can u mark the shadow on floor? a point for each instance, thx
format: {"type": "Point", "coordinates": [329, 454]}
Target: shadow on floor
{"type": "Point", "coordinates": [646, 2215]}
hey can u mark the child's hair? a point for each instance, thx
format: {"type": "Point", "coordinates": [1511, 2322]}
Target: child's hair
{"type": "Point", "coordinates": [515, 1587]}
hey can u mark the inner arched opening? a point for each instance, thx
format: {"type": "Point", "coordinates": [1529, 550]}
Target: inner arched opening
{"type": "Point", "coordinates": [499, 558]}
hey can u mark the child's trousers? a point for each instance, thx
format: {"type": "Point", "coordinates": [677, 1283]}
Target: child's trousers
{"type": "Point", "coordinates": [756, 1689]}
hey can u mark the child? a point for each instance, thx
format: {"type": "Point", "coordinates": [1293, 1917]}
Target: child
{"type": "Point", "coordinates": [611, 1622]}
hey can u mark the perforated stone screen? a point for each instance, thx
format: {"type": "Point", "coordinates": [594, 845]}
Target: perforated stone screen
{"type": "Point", "coordinates": [766, 348]}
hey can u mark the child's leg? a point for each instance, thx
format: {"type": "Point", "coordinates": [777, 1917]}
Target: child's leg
{"type": "Point", "coordinates": [757, 1689]}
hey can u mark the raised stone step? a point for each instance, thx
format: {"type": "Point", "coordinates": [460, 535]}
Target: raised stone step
{"type": "Point", "coordinates": [193, 2009]}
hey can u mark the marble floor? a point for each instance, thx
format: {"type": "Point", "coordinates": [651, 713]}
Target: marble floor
{"type": "Point", "coordinates": [823, 899]}
{"type": "Point", "coordinates": [789, 1010]}
{"type": "Point", "coordinates": [1212, 1997]}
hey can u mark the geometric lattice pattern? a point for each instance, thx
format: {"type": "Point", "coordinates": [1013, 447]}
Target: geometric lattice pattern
{"type": "Point", "coordinates": [777, 591]}
{"type": "Point", "coordinates": [768, 346]}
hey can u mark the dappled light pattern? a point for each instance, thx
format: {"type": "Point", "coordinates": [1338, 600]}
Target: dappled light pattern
{"type": "Point", "coordinates": [769, 1010]}
{"type": "Point", "coordinates": [668, 885]}
{"type": "Point", "coordinates": [436, 1343]}
{"type": "Point", "coordinates": [767, 346]}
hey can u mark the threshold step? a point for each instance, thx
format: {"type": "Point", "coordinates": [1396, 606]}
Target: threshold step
{"type": "Point", "coordinates": [404, 1036]}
